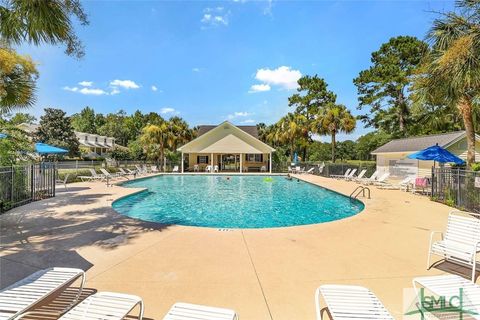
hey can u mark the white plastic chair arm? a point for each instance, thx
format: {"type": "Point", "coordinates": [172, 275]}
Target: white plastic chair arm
{"type": "Point", "coordinates": [475, 251]}
{"type": "Point", "coordinates": [317, 304]}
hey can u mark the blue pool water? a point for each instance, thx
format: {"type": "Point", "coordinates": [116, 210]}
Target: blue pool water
{"type": "Point", "coordinates": [240, 202]}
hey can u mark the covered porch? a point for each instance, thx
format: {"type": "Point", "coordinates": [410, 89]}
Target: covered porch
{"type": "Point", "coordinates": [226, 148]}
{"type": "Point", "coordinates": [226, 162]}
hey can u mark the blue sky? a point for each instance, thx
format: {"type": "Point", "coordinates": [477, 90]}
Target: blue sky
{"type": "Point", "coordinates": [210, 61]}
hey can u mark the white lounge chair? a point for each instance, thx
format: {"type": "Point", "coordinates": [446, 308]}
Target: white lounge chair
{"type": "Point", "coordinates": [310, 171]}
{"type": "Point", "coordinates": [360, 176]}
{"type": "Point", "coordinates": [461, 241]}
{"type": "Point", "coordinates": [187, 311]}
{"type": "Point", "coordinates": [64, 181]}
{"type": "Point", "coordinates": [175, 169]}
{"type": "Point", "coordinates": [215, 168]}
{"type": "Point", "coordinates": [208, 168]}
{"type": "Point", "coordinates": [321, 168]}
{"type": "Point", "coordinates": [263, 169]}
{"type": "Point", "coordinates": [125, 173]}
{"type": "Point", "coordinates": [132, 172]}
{"type": "Point", "coordinates": [94, 176]}
{"type": "Point", "coordinates": [350, 302]}
{"type": "Point", "coordinates": [105, 305]}
{"type": "Point", "coordinates": [402, 185]}
{"type": "Point", "coordinates": [39, 286]}
{"type": "Point", "coordinates": [101, 306]}
{"type": "Point", "coordinates": [381, 180]}
{"type": "Point", "coordinates": [371, 179]}
{"type": "Point", "coordinates": [196, 168]}
{"type": "Point", "coordinates": [339, 176]}
{"type": "Point", "coordinates": [140, 170]}
{"type": "Point", "coordinates": [350, 175]}
{"type": "Point", "coordinates": [108, 174]}
{"type": "Point", "coordinates": [449, 286]}
{"type": "Point", "coordinates": [154, 169]}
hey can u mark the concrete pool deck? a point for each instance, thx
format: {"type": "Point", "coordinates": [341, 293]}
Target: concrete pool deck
{"type": "Point", "coordinates": [260, 273]}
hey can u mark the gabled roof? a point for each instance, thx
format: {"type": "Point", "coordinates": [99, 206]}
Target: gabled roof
{"type": "Point", "coordinates": [231, 143]}
{"type": "Point", "coordinates": [251, 130]}
{"type": "Point", "coordinates": [419, 143]}
{"type": "Point", "coordinates": [217, 140]}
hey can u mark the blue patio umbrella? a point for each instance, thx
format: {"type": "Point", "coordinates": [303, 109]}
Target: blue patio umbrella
{"type": "Point", "coordinates": [436, 154]}
{"type": "Point", "coordinates": [2, 135]}
{"type": "Point", "coordinates": [43, 148]}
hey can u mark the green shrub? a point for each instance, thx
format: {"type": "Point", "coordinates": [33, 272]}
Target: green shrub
{"type": "Point", "coordinates": [476, 166]}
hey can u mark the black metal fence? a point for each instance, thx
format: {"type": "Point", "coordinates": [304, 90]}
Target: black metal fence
{"type": "Point", "coordinates": [26, 183]}
{"type": "Point", "coordinates": [457, 187]}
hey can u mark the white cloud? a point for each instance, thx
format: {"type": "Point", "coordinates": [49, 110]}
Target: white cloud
{"type": "Point", "coordinates": [239, 114]}
{"type": "Point", "coordinates": [127, 84]}
{"type": "Point", "coordinates": [248, 121]}
{"type": "Point", "coordinates": [214, 17]}
{"type": "Point", "coordinates": [154, 88]}
{"type": "Point", "coordinates": [86, 91]}
{"type": "Point", "coordinates": [259, 88]}
{"type": "Point", "coordinates": [196, 70]}
{"type": "Point", "coordinates": [95, 92]}
{"type": "Point", "coordinates": [167, 110]}
{"type": "Point", "coordinates": [86, 83]}
{"type": "Point", "coordinates": [114, 91]}
{"type": "Point", "coordinates": [72, 89]}
{"type": "Point", "coordinates": [283, 76]}
{"type": "Point", "coordinates": [268, 8]}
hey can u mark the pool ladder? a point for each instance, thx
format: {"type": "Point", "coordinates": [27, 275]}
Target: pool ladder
{"type": "Point", "coordinates": [357, 191]}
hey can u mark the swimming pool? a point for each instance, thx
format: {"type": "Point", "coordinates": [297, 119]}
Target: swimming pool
{"type": "Point", "coordinates": [234, 201]}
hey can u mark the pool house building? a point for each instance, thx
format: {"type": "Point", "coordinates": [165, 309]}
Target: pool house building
{"type": "Point", "coordinates": [226, 148]}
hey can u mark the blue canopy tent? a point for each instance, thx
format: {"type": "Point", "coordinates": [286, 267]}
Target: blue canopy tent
{"type": "Point", "coordinates": [436, 154]}
{"type": "Point", "coordinates": [44, 149]}
{"type": "Point", "coordinates": [295, 158]}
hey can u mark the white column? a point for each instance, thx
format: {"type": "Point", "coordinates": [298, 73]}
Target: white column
{"type": "Point", "coordinates": [211, 168]}
{"type": "Point", "coordinates": [241, 162]}
{"type": "Point", "coordinates": [182, 162]}
{"type": "Point", "coordinates": [270, 163]}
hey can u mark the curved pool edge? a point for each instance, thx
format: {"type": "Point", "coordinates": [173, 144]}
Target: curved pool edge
{"type": "Point", "coordinates": [140, 190]}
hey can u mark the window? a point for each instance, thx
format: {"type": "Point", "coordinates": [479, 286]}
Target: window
{"type": "Point", "coordinates": [254, 157]}
{"type": "Point", "coordinates": [202, 159]}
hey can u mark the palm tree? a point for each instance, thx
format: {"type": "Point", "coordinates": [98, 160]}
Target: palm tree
{"type": "Point", "coordinates": [33, 22]}
{"type": "Point", "coordinates": [290, 130]}
{"type": "Point", "coordinates": [180, 132]}
{"type": "Point", "coordinates": [331, 120]}
{"type": "Point", "coordinates": [17, 80]}
{"type": "Point", "coordinates": [154, 139]}
{"type": "Point", "coordinates": [40, 21]}
{"type": "Point", "coordinates": [451, 71]}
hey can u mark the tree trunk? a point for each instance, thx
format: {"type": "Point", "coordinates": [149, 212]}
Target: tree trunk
{"type": "Point", "coordinates": [466, 109]}
{"type": "Point", "coordinates": [304, 154]}
{"type": "Point", "coordinates": [291, 151]}
{"type": "Point", "coordinates": [334, 145]}
{"type": "Point", "coordinates": [402, 113]}
{"type": "Point", "coordinates": [162, 158]}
